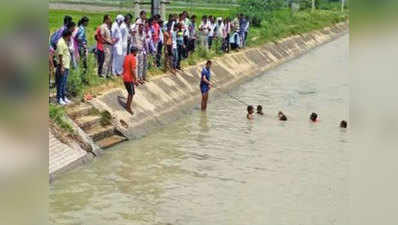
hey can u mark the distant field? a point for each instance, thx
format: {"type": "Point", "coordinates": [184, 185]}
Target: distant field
{"type": "Point", "coordinates": [221, 4]}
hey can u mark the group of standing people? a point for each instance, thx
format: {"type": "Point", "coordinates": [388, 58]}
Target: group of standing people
{"type": "Point", "coordinates": [152, 38]}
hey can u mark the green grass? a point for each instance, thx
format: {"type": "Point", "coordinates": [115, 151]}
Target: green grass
{"type": "Point", "coordinates": [281, 23]}
{"type": "Point", "coordinates": [57, 114]}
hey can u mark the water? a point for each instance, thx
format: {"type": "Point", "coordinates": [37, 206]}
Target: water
{"type": "Point", "coordinates": [219, 168]}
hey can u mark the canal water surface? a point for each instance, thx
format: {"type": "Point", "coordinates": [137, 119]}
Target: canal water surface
{"type": "Point", "coordinates": [218, 168]}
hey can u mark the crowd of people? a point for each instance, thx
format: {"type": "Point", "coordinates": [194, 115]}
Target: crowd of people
{"type": "Point", "coordinates": [165, 42]}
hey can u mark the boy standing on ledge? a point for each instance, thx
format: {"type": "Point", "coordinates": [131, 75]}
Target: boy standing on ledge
{"type": "Point", "coordinates": [129, 76]}
{"type": "Point", "coordinates": [205, 84]}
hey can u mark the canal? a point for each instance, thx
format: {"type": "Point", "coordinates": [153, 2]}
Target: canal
{"type": "Point", "coordinates": [218, 168]}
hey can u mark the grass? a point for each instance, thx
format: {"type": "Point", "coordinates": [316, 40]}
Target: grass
{"type": "Point", "coordinates": [57, 114]}
{"type": "Point", "coordinates": [281, 23]}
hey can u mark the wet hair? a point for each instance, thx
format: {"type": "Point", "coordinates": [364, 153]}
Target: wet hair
{"type": "Point", "coordinates": [343, 124]}
{"type": "Point", "coordinates": [282, 116]}
{"type": "Point", "coordinates": [106, 16]}
{"type": "Point", "coordinates": [67, 20]}
{"type": "Point", "coordinates": [83, 20]}
{"type": "Point", "coordinates": [259, 108]}
{"type": "Point", "coordinates": [66, 33]}
{"type": "Point", "coordinates": [250, 108]}
{"type": "Point", "coordinates": [313, 116]}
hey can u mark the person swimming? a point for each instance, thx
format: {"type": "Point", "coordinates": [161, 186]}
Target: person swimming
{"type": "Point", "coordinates": [250, 112]}
{"type": "Point", "coordinates": [260, 110]}
{"type": "Point", "coordinates": [313, 117]}
{"type": "Point", "coordinates": [281, 116]}
{"type": "Point", "coordinates": [343, 124]}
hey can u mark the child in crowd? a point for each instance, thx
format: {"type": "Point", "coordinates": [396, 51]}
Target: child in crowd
{"type": "Point", "coordinates": [260, 110]}
{"type": "Point", "coordinates": [281, 116]}
{"type": "Point", "coordinates": [313, 117]}
{"type": "Point", "coordinates": [250, 112]}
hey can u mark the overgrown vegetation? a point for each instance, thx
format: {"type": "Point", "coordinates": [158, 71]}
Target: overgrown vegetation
{"type": "Point", "coordinates": [57, 114]}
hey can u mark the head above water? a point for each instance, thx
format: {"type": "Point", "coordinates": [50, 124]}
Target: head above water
{"type": "Point", "coordinates": [282, 116]}
{"type": "Point", "coordinates": [259, 109]}
{"type": "Point", "coordinates": [250, 109]}
{"type": "Point", "coordinates": [343, 124]}
{"type": "Point", "coordinates": [313, 117]}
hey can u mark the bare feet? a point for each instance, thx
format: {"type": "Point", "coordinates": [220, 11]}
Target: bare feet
{"type": "Point", "coordinates": [130, 111]}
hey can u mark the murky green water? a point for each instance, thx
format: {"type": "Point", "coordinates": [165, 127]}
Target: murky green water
{"type": "Point", "coordinates": [217, 168]}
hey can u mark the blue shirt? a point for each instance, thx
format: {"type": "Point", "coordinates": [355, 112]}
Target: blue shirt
{"type": "Point", "coordinates": [81, 36]}
{"type": "Point", "coordinates": [205, 73]}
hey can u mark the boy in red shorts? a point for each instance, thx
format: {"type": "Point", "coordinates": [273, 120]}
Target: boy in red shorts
{"type": "Point", "coordinates": [129, 76]}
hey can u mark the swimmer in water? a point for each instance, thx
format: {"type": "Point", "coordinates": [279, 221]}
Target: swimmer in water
{"type": "Point", "coordinates": [343, 124]}
{"type": "Point", "coordinates": [313, 117]}
{"type": "Point", "coordinates": [281, 116]}
{"type": "Point", "coordinates": [250, 112]}
{"type": "Point", "coordinates": [260, 110]}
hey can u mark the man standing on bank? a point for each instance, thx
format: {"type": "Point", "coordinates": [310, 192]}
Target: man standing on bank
{"type": "Point", "coordinates": [205, 84]}
{"type": "Point", "coordinates": [129, 76]}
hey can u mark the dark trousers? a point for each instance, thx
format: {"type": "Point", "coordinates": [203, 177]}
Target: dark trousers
{"type": "Point", "coordinates": [210, 39]}
{"type": "Point", "coordinates": [186, 43]}
{"type": "Point", "coordinates": [180, 50]}
{"type": "Point", "coordinates": [159, 53]}
{"type": "Point", "coordinates": [101, 60]}
{"type": "Point", "coordinates": [61, 79]}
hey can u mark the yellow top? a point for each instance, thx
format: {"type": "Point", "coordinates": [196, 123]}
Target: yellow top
{"type": "Point", "coordinates": [62, 49]}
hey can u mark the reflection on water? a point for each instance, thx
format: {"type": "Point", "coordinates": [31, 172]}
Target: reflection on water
{"type": "Point", "coordinates": [217, 168]}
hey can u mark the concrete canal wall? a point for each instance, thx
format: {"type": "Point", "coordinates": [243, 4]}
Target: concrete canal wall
{"type": "Point", "coordinates": [165, 98]}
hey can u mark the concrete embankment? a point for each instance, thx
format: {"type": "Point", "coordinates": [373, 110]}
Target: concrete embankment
{"type": "Point", "coordinates": [165, 98]}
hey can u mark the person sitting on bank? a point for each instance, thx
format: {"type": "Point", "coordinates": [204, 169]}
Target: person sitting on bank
{"type": "Point", "coordinates": [313, 117]}
{"type": "Point", "coordinates": [281, 116]}
{"type": "Point", "coordinates": [205, 85]}
{"type": "Point", "coordinates": [250, 112]}
{"type": "Point", "coordinates": [343, 124]}
{"type": "Point", "coordinates": [129, 76]}
{"type": "Point", "coordinates": [260, 110]}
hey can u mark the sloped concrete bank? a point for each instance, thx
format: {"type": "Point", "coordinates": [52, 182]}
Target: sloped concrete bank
{"type": "Point", "coordinates": [165, 98]}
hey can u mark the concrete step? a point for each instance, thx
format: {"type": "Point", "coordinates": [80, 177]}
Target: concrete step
{"type": "Point", "coordinates": [110, 141]}
{"type": "Point", "coordinates": [87, 122]}
{"type": "Point", "coordinates": [99, 132]}
{"type": "Point", "coordinates": [79, 110]}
